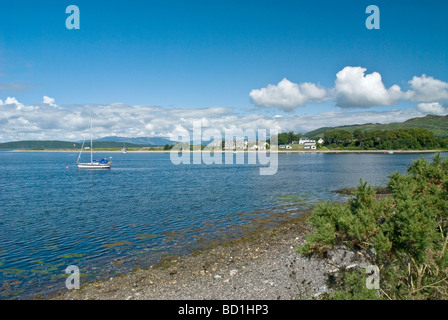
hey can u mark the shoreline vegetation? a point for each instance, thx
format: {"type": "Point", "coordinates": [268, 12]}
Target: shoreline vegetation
{"type": "Point", "coordinates": [409, 140]}
{"type": "Point", "coordinates": [232, 151]}
{"type": "Point", "coordinates": [400, 230]}
{"type": "Point", "coordinates": [424, 134]}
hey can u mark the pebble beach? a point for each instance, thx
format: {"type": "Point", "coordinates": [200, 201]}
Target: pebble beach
{"type": "Point", "coordinates": [263, 265]}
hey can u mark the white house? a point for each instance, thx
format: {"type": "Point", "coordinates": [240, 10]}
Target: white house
{"type": "Point", "coordinates": [305, 140]}
{"type": "Point", "coordinates": [232, 145]}
{"type": "Point", "coordinates": [229, 145]}
{"type": "Point", "coordinates": [320, 141]}
{"type": "Point", "coordinates": [263, 146]}
{"type": "Point", "coordinates": [285, 146]}
{"type": "Point", "coordinates": [309, 145]}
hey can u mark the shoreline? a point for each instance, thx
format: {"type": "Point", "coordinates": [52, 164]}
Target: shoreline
{"type": "Point", "coordinates": [261, 265]}
{"type": "Point", "coordinates": [223, 151]}
{"type": "Point", "coordinates": [222, 270]}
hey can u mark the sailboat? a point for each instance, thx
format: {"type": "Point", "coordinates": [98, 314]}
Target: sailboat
{"type": "Point", "coordinates": [93, 164]}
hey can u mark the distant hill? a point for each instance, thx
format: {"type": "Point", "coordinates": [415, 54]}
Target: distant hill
{"type": "Point", "coordinates": [437, 124]}
{"type": "Point", "coordinates": [154, 141]}
{"type": "Point", "coordinates": [54, 144]}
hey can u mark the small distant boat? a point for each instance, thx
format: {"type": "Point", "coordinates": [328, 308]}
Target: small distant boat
{"type": "Point", "coordinates": [93, 164]}
{"type": "Point", "coordinates": [390, 152]}
{"type": "Point", "coordinates": [123, 150]}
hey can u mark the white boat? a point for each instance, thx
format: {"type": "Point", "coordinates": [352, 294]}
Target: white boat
{"type": "Point", "coordinates": [93, 164]}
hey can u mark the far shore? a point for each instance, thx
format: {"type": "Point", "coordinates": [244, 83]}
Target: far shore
{"type": "Point", "coordinates": [231, 151]}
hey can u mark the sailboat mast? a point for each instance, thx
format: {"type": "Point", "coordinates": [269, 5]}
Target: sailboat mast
{"type": "Point", "coordinates": [91, 144]}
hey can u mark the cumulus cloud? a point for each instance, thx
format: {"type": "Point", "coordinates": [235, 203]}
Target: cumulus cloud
{"type": "Point", "coordinates": [12, 100]}
{"type": "Point", "coordinates": [72, 123]}
{"type": "Point", "coordinates": [355, 89]}
{"type": "Point", "coordinates": [427, 89]}
{"type": "Point", "coordinates": [432, 108]}
{"type": "Point", "coordinates": [287, 95]}
{"type": "Point", "coordinates": [49, 101]}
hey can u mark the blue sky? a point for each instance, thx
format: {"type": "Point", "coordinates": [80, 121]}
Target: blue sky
{"type": "Point", "coordinates": [200, 55]}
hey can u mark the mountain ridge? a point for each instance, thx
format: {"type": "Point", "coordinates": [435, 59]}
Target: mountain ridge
{"type": "Point", "coordinates": [154, 141]}
{"type": "Point", "coordinates": [437, 124]}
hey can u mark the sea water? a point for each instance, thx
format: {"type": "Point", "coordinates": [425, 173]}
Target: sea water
{"type": "Point", "coordinates": [108, 222]}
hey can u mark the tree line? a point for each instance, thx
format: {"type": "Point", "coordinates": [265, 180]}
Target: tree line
{"type": "Point", "coordinates": [399, 139]}
{"type": "Point", "coordinates": [288, 137]}
{"type": "Point", "coordinates": [403, 139]}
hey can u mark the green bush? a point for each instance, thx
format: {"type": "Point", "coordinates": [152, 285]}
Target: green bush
{"type": "Point", "coordinates": [351, 286]}
{"type": "Point", "coordinates": [405, 234]}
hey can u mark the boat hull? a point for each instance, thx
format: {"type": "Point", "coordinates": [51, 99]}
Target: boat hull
{"type": "Point", "coordinates": [93, 166]}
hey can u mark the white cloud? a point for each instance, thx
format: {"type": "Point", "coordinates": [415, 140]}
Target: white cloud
{"type": "Point", "coordinates": [432, 108]}
{"type": "Point", "coordinates": [49, 101]}
{"type": "Point", "coordinates": [287, 95]}
{"type": "Point", "coordinates": [10, 100]}
{"type": "Point", "coordinates": [355, 89]}
{"type": "Point", "coordinates": [44, 122]}
{"type": "Point", "coordinates": [427, 89]}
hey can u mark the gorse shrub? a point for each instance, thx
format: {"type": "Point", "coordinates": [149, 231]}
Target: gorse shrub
{"type": "Point", "coordinates": [405, 234]}
{"type": "Point", "coordinates": [351, 285]}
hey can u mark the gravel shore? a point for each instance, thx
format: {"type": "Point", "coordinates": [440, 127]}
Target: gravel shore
{"type": "Point", "coordinates": [262, 265]}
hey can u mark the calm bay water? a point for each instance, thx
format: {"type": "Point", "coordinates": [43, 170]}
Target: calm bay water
{"type": "Point", "coordinates": [109, 222]}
